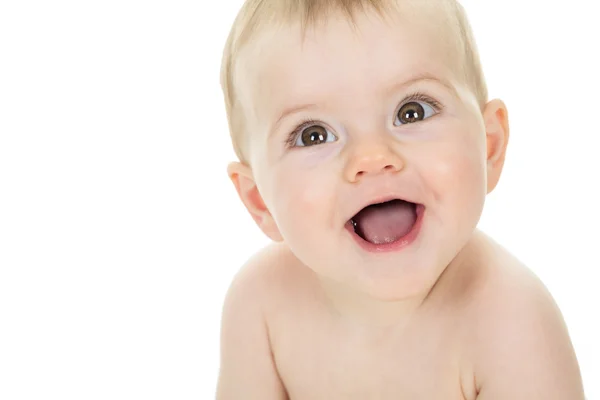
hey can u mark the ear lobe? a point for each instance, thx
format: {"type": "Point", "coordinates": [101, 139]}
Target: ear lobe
{"type": "Point", "coordinates": [243, 180]}
{"type": "Point", "coordinates": [497, 131]}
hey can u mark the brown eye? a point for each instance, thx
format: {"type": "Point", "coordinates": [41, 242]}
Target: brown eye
{"type": "Point", "coordinates": [411, 113]}
{"type": "Point", "coordinates": [314, 135]}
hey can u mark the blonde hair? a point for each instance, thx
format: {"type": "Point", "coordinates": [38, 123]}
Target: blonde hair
{"type": "Point", "coordinates": [255, 15]}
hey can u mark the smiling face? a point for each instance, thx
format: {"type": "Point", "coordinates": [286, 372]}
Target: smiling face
{"type": "Point", "coordinates": [344, 118]}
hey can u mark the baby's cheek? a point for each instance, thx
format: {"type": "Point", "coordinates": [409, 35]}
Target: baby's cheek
{"type": "Point", "coordinates": [456, 174]}
{"type": "Point", "coordinates": [303, 202]}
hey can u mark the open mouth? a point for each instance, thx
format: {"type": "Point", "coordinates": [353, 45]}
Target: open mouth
{"type": "Point", "coordinates": [386, 223]}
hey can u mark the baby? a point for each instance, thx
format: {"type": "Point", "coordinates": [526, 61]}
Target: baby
{"type": "Point", "coordinates": [367, 146]}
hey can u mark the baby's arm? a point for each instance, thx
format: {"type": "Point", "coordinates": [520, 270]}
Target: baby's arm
{"type": "Point", "coordinates": [528, 353]}
{"type": "Point", "coordinates": [247, 370]}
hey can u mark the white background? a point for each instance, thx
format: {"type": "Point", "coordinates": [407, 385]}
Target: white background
{"type": "Point", "coordinates": [120, 232]}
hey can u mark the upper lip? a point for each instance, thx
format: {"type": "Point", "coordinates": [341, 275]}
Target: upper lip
{"type": "Point", "coordinates": [382, 199]}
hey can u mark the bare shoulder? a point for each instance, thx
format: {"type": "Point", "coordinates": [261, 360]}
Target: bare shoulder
{"type": "Point", "coordinates": [247, 367]}
{"type": "Point", "coordinates": [521, 346]}
{"type": "Point", "coordinates": [271, 275]}
{"type": "Point", "coordinates": [265, 270]}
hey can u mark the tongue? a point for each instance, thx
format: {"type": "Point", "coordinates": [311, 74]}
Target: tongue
{"type": "Point", "coordinates": [385, 223]}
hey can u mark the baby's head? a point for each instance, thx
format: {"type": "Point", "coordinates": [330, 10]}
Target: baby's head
{"type": "Point", "coordinates": [335, 105]}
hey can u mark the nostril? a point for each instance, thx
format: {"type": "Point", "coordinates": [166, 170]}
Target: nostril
{"type": "Point", "coordinates": [387, 168]}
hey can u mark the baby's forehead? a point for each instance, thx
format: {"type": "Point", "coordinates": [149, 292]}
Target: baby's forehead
{"type": "Point", "coordinates": [288, 58]}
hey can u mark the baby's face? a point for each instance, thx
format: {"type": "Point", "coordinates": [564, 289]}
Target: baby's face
{"type": "Point", "coordinates": [348, 118]}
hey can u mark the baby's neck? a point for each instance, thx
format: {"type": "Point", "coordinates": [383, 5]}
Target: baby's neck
{"type": "Point", "coordinates": [363, 312]}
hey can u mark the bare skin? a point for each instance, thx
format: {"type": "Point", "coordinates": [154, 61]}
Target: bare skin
{"type": "Point", "coordinates": [456, 345]}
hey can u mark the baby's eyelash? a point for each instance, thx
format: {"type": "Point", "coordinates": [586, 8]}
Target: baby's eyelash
{"type": "Point", "coordinates": [419, 96]}
{"type": "Point", "coordinates": [293, 136]}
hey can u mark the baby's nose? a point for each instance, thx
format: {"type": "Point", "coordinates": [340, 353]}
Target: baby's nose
{"type": "Point", "coordinates": [372, 159]}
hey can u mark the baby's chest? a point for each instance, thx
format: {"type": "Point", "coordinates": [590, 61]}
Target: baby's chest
{"type": "Point", "coordinates": [315, 365]}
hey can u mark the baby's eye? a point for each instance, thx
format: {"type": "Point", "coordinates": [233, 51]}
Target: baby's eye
{"type": "Point", "coordinates": [314, 135]}
{"type": "Point", "coordinates": [414, 111]}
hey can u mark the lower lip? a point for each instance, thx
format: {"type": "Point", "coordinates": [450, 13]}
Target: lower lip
{"type": "Point", "coordinates": [398, 245]}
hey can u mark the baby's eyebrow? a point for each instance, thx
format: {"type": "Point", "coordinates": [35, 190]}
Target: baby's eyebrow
{"type": "Point", "coordinates": [423, 77]}
{"type": "Point", "coordinates": [393, 88]}
{"type": "Point", "coordinates": [291, 110]}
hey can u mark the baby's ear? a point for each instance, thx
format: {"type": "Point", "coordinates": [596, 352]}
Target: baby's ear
{"type": "Point", "coordinates": [497, 131]}
{"type": "Point", "coordinates": [243, 180]}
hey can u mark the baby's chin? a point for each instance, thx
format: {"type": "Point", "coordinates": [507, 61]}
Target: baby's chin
{"type": "Point", "coordinates": [411, 282]}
